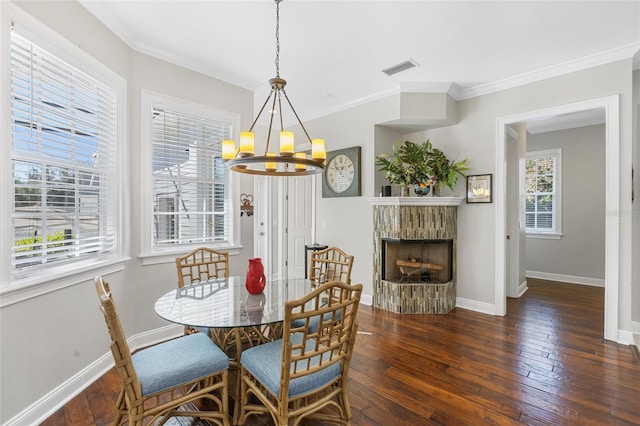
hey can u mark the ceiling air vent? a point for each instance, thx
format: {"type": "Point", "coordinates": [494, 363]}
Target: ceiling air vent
{"type": "Point", "coordinates": [402, 66]}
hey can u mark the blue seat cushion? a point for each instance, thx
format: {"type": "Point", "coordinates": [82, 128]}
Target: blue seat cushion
{"type": "Point", "coordinates": [177, 362]}
{"type": "Point", "coordinates": [264, 362]}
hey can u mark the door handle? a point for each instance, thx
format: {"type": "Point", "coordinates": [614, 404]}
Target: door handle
{"type": "Point", "coordinates": [508, 237]}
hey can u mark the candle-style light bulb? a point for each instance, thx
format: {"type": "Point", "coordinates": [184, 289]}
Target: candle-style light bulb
{"type": "Point", "coordinates": [246, 144]}
{"type": "Point", "coordinates": [301, 155]}
{"type": "Point", "coordinates": [228, 149]}
{"type": "Point", "coordinates": [318, 150]}
{"type": "Point", "coordinates": [269, 166]}
{"type": "Point", "coordinates": [286, 143]}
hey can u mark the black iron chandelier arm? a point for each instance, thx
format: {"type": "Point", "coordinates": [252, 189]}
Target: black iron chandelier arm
{"type": "Point", "coordinates": [297, 118]}
{"type": "Point", "coordinates": [261, 109]}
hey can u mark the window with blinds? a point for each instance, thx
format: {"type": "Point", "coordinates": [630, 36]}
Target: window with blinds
{"type": "Point", "coordinates": [64, 145]}
{"type": "Point", "coordinates": [542, 191]}
{"type": "Point", "coordinates": [190, 180]}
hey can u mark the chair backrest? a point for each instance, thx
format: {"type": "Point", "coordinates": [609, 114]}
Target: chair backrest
{"type": "Point", "coordinates": [119, 347]}
{"type": "Point", "coordinates": [202, 264]}
{"type": "Point", "coordinates": [309, 349]}
{"type": "Point", "coordinates": [330, 264]}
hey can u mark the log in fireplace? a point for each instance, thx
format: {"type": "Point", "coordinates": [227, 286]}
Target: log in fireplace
{"type": "Point", "coordinates": [417, 261]}
{"type": "Point", "coordinates": [414, 254]}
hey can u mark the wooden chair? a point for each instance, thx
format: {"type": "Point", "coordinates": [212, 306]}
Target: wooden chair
{"type": "Point", "coordinates": [330, 264]}
{"type": "Point", "coordinates": [200, 265]}
{"type": "Point", "coordinates": [158, 380]}
{"type": "Point", "coordinates": [304, 374]}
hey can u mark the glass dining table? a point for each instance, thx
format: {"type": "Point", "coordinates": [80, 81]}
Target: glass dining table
{"type": "Point", "coordinates": [225, 302]}
{"type": "Point", "coordinates": [236, 319]}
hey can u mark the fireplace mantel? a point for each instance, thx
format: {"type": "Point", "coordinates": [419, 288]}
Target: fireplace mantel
{"type": "Point", "coordinates": [415, 201]}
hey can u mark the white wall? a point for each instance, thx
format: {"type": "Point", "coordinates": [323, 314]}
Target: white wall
{"type": "Point", "coordinates": [48, 339]}
{"type": "Point", "coordinates": [635, 212]}
{"type": "Point", "coordinates": [580, 251]}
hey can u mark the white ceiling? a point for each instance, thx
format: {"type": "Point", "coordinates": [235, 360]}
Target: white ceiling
{"type": "Point", "coordinates": [332, 53]}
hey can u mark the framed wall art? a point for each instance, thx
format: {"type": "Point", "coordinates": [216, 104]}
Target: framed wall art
{"type": "Point", "coordinates": [479, 189]}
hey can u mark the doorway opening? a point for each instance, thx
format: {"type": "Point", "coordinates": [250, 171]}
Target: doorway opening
{"type": "Point", "coordinates": [612, 201]}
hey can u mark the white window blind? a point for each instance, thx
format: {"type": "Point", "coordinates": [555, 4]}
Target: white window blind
{"type": "Point", "coordinates": [190, 180]}
{"type": "Point", "coordinates": [542, 189]}
{"type": "Point", "coordinates": [63, 158]}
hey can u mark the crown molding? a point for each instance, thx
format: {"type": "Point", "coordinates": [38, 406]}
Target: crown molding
{"type": "Point", "coordinates": [586, 62]}
{"type": "Point", "coordinates": [354, 103]}
{"type": "Point", "coordinates": [459, 93]}
{"type": "Point", "coordinates": [115, 24]}
{"type": "Point", "coordinates": [425, 87]}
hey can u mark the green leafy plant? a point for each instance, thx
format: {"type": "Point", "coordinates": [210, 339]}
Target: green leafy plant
{"type": "Point", "coordinates": [406, 166]}
{"type": "Point", "coordinates": [444, 171]}
{"type": "Point", "coordinates": [413, 163]}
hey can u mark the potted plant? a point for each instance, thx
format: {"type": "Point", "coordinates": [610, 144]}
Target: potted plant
{"type": "Point", "coordinates": [406, 166]}
{"type": "Point", "coordinates": [443, 171]}
{"type": "Point", "coordinates": [421, 165]}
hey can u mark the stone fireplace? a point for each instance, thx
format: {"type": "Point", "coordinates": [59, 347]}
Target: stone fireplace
{"type": "Point", "coordinates": [414, 254]}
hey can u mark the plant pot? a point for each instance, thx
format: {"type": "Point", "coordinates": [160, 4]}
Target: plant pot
{"type": "Point", "coordinates": [421, 190]}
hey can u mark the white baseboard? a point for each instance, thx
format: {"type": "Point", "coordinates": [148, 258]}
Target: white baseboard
{"type": "Point", "coordinates": [43, 408]}
{"type": "Point", "coordinates": [157, 335]}
{"type": "Point", "coordinates": [595, 282]}
{"type": "Point", "coordinates": [522, 288]}
{"type": "Point", "coordinates": [474, 305]}
{"type": "Point", "coordinates": [635, 333]}
{"type": "Point", "coordinates": [625, 337]}
{"type": "Point", "coordinates": [366, 299]}
{"type": "Point", "coordinates": [40, 410]}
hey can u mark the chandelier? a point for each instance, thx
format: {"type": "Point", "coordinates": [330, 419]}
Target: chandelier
{"type": "Point", "coordinates": [286, 162]}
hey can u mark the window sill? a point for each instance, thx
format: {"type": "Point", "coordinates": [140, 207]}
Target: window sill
{"type": "Point", "coordinates": [47, 282]}
{"type": "Point", "coordinates": [169, 256]}
{"type": "Point", "coordinates": [545, 235]}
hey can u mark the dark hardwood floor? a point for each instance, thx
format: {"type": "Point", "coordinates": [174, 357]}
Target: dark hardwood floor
{"type": "Point", "coordinates": [545, 363]}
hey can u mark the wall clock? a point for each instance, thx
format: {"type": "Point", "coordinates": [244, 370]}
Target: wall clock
{"type": "Point", "coordinates": [341, 176]}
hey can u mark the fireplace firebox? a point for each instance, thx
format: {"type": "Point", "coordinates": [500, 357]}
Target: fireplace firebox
{"type": "Point", "coordinates": [417, 261]}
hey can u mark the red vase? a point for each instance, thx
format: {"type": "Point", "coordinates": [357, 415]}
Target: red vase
{"type": "Point", "coordinates": [255, 276]}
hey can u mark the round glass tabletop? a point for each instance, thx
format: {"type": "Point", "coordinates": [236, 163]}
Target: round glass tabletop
{"type": "Point", "coordinates": [225, 302]}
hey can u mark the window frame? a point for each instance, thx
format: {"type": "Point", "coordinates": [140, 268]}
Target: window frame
{"type": "Point", "coordinates": [556, 211]}
{"type": "Point", "coordinates": [151, 254]}
{"type": "Point", "coordinates": [58, 276]}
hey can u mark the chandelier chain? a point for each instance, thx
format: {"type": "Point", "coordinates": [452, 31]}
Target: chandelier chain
{"type": "Point", "coordinates": [278, 38]}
